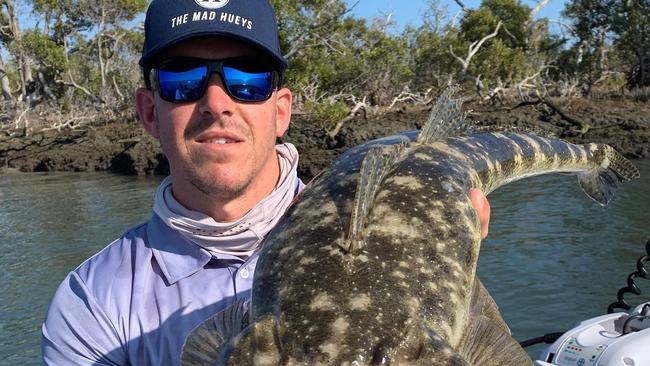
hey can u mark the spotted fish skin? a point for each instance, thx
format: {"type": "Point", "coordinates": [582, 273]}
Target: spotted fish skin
{"type": "Point", "coordinates": [376, 261]}
{"type": "Point", "coordinates": [408, 293]}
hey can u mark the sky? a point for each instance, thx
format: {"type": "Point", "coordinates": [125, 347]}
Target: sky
{"type": "Point", "coordinates": [407, 12]}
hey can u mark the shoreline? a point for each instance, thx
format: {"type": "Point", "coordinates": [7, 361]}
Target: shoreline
{"type": "Point", "coordinates": [124, 148]}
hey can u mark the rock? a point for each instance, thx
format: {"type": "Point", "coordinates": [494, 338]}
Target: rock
{"type": "Point", "coordinates": [141, 156]}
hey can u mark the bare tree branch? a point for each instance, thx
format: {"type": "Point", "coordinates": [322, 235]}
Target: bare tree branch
{"type": "Point", "coordinates": [570, 29]}
{"type": "Point", "coordinates": [582, 126]}
{"type": "Point", "coordinates": [320, 20]}
{"type": "Point", "coordinates": [462, 6]}
{"type": "Point", "coordinates": [72, 81]}
{"type": "Point", "coordinates": [538, 7]}
{"type": "Point", "coordinates": [353, 112]}
{"type": "Point", "coordinates": [70, 123]}
{"type": "Point", "coordinates": [19, 119]}
{"type": "Point", "coordinates": [473, 48]}
{"type": "Point", "coordinates": [407, 95]}
{"type": "Point", "coordinates": [117, 88]}
{"type": "Point", "coordinates": [505, 29]}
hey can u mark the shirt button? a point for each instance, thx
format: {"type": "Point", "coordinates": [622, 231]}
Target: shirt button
{"type": "Point", "coordinates": [244, 273]}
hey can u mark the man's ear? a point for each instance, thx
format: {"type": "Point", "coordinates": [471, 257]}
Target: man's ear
{"type": "Point", "coordinates": [282, 111]}
{"type": "Point", "coordinates": [145, 105]}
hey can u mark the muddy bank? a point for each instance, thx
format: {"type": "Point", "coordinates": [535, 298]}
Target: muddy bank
{"type": "Point", "coordinates": [126, 149]}
{"type": "Point", "coordinates": [625, 126]}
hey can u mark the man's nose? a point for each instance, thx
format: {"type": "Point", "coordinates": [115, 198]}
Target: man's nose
{"type": "Point", "coordinates": [216, 99]}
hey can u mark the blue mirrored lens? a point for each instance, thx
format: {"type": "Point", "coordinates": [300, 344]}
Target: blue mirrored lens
{"type": "Point", "coordinates": [247, 86]}
{"type": "Point", "coordinates": [182, 86]}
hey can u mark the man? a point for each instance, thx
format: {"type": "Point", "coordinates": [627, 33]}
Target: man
{"type": "Point", "coordinates": [214, 101]}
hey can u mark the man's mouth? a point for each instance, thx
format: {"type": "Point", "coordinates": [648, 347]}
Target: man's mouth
{"type": "Point", "coordinates": [219, 141]}
{"type": "Point", "coordinates": [218, 138]}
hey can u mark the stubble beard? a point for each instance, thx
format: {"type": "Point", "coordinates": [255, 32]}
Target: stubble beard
{"type": "Point", "coordinates": [213, 187]}
{"type": "Point", "coordinates": [199, 174]}
{"type": "Point", "coordinates": [210, 184]}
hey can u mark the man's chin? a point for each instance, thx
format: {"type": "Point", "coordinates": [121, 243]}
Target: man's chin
{"type": "Point", "coordinates": [222, 186]}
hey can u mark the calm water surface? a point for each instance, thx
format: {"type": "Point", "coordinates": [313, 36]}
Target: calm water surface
{"type": "Point", "coordinates": [552, 258]}
{"type": "Point", "coordinates": [49, 224]}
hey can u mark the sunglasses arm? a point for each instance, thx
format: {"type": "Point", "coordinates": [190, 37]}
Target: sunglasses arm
{"type": "Point", "coordinates": [147, 77]}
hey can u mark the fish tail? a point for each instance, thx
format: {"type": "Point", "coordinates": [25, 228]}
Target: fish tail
{"type": "Point", "coordinates": [614, 169]}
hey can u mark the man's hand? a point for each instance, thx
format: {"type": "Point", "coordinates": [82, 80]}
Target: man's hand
{"type": "Point", "coordinates": [482, 207]}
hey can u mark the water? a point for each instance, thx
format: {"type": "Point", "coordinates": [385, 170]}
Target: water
{"type": "Point", "coordinates": [552, 258]}
{"type": "Point", "coordinates": [49, 224]}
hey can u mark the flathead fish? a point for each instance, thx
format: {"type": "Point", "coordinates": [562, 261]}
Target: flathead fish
{"type": "Point", "coordinates": [375, 264]}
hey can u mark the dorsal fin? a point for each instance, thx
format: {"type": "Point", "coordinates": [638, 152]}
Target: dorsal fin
{"type": "Point", "coordinates": [446, 118]}
{"type": "Point", "coordinates": [377, 163]}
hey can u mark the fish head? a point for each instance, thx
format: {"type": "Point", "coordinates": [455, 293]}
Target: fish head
{"type": "Point", "coordinates": [266, 343]}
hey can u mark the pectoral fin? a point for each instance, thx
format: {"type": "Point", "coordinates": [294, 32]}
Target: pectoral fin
{"type": "Point", "coordinates": [487, 344]}
{"type": "Point", "coordinates": [258, 344]}
{"type": "Point", "coordinates": [437, 351]}
{"type": "Point", "coordinates": [204, 344]}
{"type": "Point", "coordinates": [484, 304]}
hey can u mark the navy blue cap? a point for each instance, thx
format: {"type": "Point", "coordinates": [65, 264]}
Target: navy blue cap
{"type": "Point", "coordinates": [171, 21]}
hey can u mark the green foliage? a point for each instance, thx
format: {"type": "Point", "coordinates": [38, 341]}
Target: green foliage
{"type": "Point", "coordinates": [480, 22]}
{"type": "Point", "coordinates": [84, 66]}
{"type": "Point", "coordinates": [602, 24]}
{"type": "Point", "coordinates": [590, 18]}
{"type": "Point", "coordinates": [576, 64]}
{"type": "Point", "coordinates": [515, 17]}
{"type": "Point", "coordinates": [630, 23]}
{"type": "Point", "coordinates": [385, 65]}
{"type": "Point", "coordinates": [327, 114]}
{"type": "Point", "coordinates": [355, 58]}
{"type": "Point", "coordinates": [498, 62]}
{"type": "Point", "coordinates": [476, 24]}
{"type": "Point", "coordinates": [131, 8]}
{"type": "Point", "coordinates": [613, 82]}
{"type": "Point", "coordinates": [306, 19]}
{"type": "Point", "coordinates": [428, 46]}
{"type": "Point", "coordinates": [5, 37]}
{"type": "Point", "coordinates": [502, 58]}
{"type": "Point", "coordinates": [90, 46]}
{"type": "Point", "coordinates": [430, 57]}
{"type": "Point", "coordinates": [49, 55]}
{"type": "Point", "coordinates": [134, 39]}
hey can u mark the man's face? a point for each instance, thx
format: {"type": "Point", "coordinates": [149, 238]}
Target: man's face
{"type": "Point", "coordinates": [218, 148]}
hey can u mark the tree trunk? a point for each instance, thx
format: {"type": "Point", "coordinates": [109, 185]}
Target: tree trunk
{"type": "Point", "coordinates": [46, 88]}
{"type": "Point", "coordinates": [102, 68]}
{"type": "Point", "coordinates": [26, 76]}
{"type": "Point", "coordinates": [4, 82]}
{"type": "Point", "coordinates": [642, 73]}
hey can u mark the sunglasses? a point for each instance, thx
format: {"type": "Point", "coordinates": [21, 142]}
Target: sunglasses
{"type": "Point", "coordinates": [245, 79]}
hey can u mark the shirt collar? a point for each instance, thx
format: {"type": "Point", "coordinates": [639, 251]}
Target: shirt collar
{"type": "Point", "coordinates": [177, 256]}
